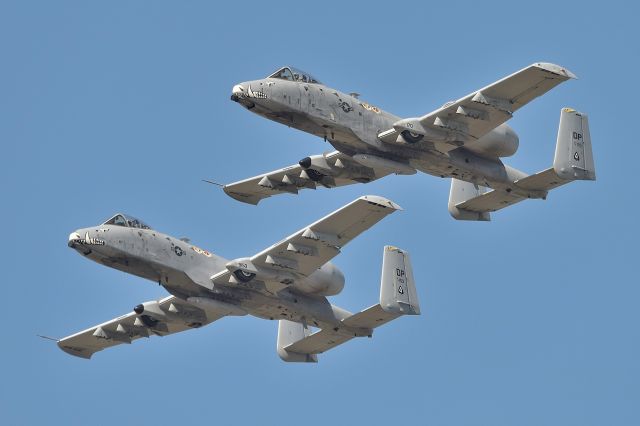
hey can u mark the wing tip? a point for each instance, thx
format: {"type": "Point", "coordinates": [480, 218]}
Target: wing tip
{"type": "Point", "coordinates": [380, 201]}
{"type": "Point", "coordinates": [75, 351]}
{"type": "Point", "coordinates": [244, 198]}
{"type": "Point", "coordinates": [555, 69]}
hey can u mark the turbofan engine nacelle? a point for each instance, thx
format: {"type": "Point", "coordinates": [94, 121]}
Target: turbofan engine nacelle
{"type": "Point", "coordinates": [500, 142]}
{"type": "Point", "coordinates": [326, 281]}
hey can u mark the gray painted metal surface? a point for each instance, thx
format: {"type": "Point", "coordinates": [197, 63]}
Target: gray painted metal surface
{"type": "Point", "coordinates": [289, 281]}
{"type": "Point", "coordinates": [464, 140]}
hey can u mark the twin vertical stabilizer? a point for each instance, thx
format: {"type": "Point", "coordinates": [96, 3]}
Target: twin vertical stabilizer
{"type": "Point", "coordinates": [397, 288]}
{"type": "Point", "coordinates": [574, 157]}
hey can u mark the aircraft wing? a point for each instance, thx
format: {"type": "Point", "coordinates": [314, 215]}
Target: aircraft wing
{"type": "Point", "coordinates": [166, 316]}
{"type": "Point", "coordinates": [473, 116]}
{"type": "Point", "coordinates": [303, 252]}
{"type": "Point", "coordinates": [328, 170]}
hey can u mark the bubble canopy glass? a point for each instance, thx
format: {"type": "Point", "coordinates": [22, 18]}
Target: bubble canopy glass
{"type": "Point", "coordinates": [294, 74]}
{"type": "Point", "coordinates": [127, 221]}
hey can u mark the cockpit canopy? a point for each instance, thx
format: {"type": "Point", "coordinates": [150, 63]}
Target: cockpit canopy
{"type": "Point", "coordinates": [127, 221]}
{"type": "Point", "coordinates": [294, 74]}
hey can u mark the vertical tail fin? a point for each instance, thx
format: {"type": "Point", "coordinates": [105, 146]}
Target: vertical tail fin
{"type": "Point", "coordinates": [462, 191]}
{"type": "Point", "coordinates": [290, 332]}
{"type": "Point", "coordinates": [397, 297]}
{"type": "Point", "coordinates": [397, 288]}
{"type": "Point", "coordinates": [574, 158]}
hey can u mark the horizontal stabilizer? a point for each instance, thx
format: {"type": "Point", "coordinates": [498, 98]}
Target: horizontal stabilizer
{"type": "Point", "coordinates": [318, 342]}
{"type": "Point", "coordinates": [535, 186]}
{"type": "Point", "coordinates": [482, 205]}
{"type": "Point", "coordinates": [356, 325]}
{"type": "Point", "coordinates": [372, 317]}
{"type": "Point", "coordinates": [545, 180]}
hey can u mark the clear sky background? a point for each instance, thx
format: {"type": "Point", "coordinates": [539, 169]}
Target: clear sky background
{"type": "Point", "coordinates": [532, 319]}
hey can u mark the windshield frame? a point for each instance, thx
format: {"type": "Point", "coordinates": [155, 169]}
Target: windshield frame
{"type": "Point", "coordinates": [129, 221]}
{"type": "Point", "coordinates": [297, 75]}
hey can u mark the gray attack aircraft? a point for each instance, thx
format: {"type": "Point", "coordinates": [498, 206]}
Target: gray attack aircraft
{"type": "Point", "coordinates": [464, 140]}
{"type": "Point", "coordinates": [288, 281]}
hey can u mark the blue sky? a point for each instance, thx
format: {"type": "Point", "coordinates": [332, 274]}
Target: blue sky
{"type": "Point", "coordinates": [531, 319]}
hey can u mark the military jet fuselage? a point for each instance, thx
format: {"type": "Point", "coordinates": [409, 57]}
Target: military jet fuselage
{"type": "Point", "coordinates": [185, 270]}
{"type": "Point", "coordinates": [353, 127]}
{"type": "Point", "coordinates": [464, 140]}
{"type": "Point", "coordinates": [289, 282]}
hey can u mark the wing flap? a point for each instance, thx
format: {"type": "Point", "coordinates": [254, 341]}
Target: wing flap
{"type": "Point", "coordinates": [371, 317]}
{"type": "Point", "coordinates": [533, 186]}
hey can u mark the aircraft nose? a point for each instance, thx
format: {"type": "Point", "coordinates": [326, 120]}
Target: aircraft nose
{"type": "Point", "coordinates": [86, 240]}
{"type": "Point", "coordinates": [237, 92]}
{"type": "Point", "coordinates": [73, 238]}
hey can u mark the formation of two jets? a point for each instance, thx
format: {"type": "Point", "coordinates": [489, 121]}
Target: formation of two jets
{"type": "Point", "coordinates": [290, 281]}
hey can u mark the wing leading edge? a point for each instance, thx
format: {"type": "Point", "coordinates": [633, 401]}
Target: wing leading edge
{"type": "Point", "coordinates": [163, 317]}
{"type": "Point", "coordinates": [328, 170]}
{"type": "Point", "coordinates": [303, 252]}
{"type": "Point", "coordinates": [469, 118]}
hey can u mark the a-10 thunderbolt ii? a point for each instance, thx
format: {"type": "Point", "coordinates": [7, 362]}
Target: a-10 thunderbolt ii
{"type": "Point", "coordinates": [464, 140]}
{"type": "Point", "coordinates": [288, 281]}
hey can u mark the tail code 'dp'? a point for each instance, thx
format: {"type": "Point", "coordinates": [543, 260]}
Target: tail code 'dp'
{"type": "Point", "coordinates": [574, 157]}
{"type": "Point", "coordinates": [397, 289]}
